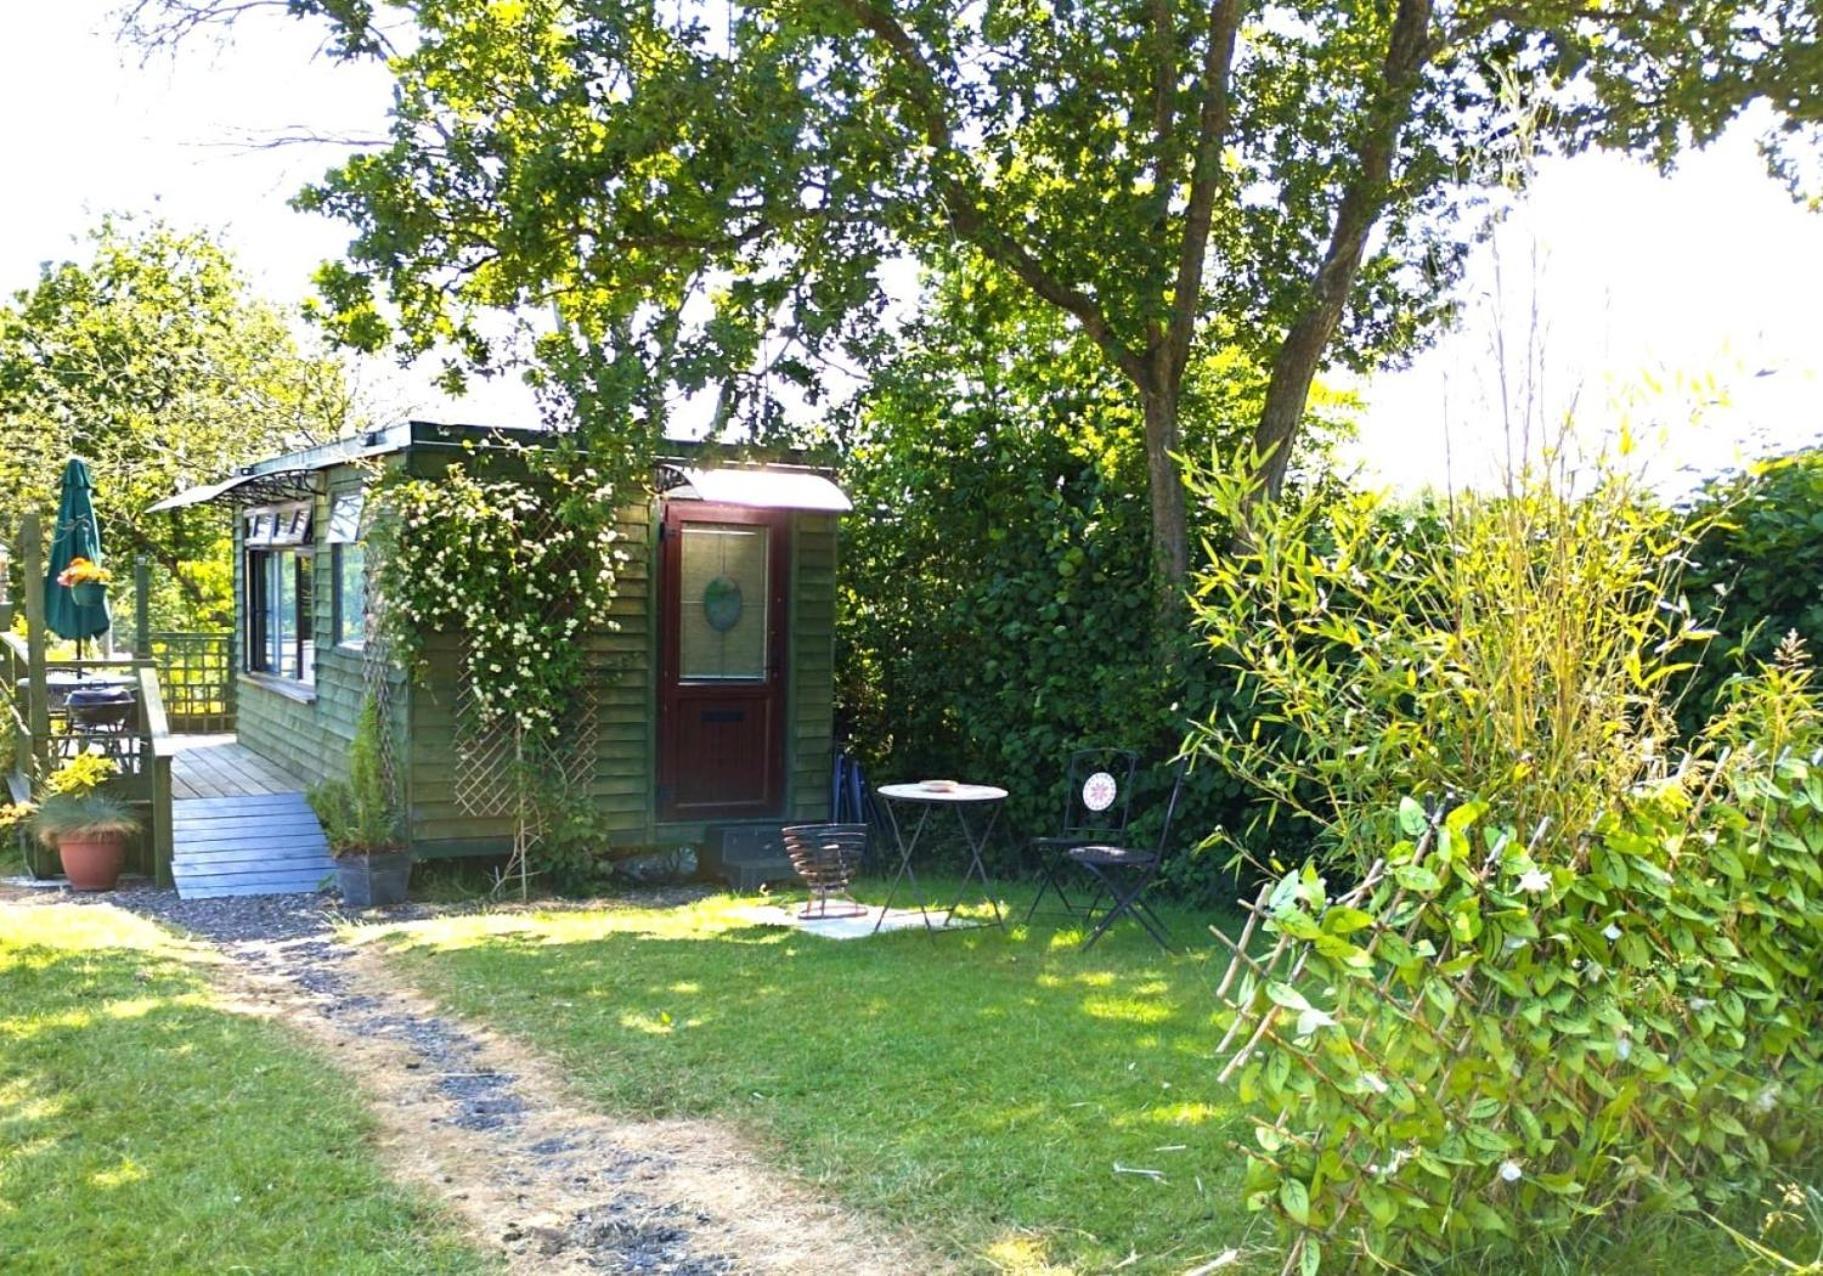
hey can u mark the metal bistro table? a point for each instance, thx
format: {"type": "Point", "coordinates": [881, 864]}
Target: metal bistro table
{"type": "Point", "coordinates": [928, 797]}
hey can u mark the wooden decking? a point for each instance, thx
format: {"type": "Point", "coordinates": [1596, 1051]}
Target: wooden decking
{"type": "Point", "coordinates": [216, 766]}
{"type": "Point", "coordinates": [240, 824]}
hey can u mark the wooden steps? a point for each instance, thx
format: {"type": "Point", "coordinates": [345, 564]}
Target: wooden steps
{"type": "Point", "coordinates": [252, 844]}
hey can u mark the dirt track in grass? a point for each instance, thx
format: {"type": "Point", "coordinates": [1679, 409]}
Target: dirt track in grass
{"type": "Point", "coordinates": [488, 1126]}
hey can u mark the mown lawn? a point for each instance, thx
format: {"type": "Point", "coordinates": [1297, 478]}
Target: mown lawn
{"type": "Point", "coordinates": [979, 1090]}
{"type": "Point", "coordinates": [144, 1128]}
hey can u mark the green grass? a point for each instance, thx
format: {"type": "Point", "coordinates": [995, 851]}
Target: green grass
{"type": "Point", "coordinates": [978, 1089]}
{"type": "Point", "coordinates": [145, 1128]}
{"type": "Point", "coordinates": [975, 1090]}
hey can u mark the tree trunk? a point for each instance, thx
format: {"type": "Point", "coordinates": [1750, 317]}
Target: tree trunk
{"type": "Point", "coordinates": [1170, 532]}
{"type": "Point", "coordinates": [1288, 393]}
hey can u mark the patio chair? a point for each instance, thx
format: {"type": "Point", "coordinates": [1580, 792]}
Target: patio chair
{"type": "Point", "coordinates": [1127, 874]}
{"type": "Point", "coordinates": [1097, 800]}
{"type": "Point", "coordinates": [826, 856]}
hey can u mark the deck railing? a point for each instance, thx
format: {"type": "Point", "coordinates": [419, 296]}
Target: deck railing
{"type": "Point", "coordinates": [196, 677]}
{"type": "Point", "coordinates": [43, 734]}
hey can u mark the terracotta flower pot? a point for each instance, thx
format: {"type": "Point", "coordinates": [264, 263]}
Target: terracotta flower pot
{"type": "Point", "coordinates": [92, 863]}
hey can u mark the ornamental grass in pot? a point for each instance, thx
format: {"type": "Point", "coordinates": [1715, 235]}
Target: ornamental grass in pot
{"type": "Point", "coordinates": [373, 868]}
{"type": "Point", "coordinates": [88, 828]}
{"type": "Point", "coordinates": [90, 832]}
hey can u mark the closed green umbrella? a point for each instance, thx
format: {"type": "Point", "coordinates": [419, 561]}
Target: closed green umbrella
{"type": "Point", "coordinates": [76, 536]}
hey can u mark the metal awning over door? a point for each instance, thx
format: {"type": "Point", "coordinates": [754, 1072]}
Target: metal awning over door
{"type": "Point", "coordinates": [768, 487]}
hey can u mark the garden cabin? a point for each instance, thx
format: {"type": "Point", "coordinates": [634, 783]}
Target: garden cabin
{"type": "Point", "coordinates": [709, 707]}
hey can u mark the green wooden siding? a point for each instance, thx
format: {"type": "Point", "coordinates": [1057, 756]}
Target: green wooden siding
{"type": "Point", "coordinates": [311, 737]}
{"type": "Point", "coordinates": [811, 715]}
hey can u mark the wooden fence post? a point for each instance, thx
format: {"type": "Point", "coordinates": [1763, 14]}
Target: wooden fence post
{"type": "Point", "coordinates": [37, 760]}
{"type": "Point", "coordinates": [142, 608]}
{"type": "Point", "coordinates": [38, 700]}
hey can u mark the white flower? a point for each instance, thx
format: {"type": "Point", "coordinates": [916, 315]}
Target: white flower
{"type": "Point", "coordinates": [1312, 1019]}
{"type": "Point", "coordinates": [1701, 1003]}
{"type": "Point", "coordinates": [1373, 1082]}
{"type": "Point", "coordinates": [1535, 881]}
{"type": "Point", "coordinates": [1766, 1100]}
{"type": "Point", "coordinates": [1510, 1172]}
{"type": "Point", "coordinates": [1623, 1049]}
{"type": "Point", "coordinates": [1612, 933]}
{"type": "Point", "coordinates": [1515, 943]}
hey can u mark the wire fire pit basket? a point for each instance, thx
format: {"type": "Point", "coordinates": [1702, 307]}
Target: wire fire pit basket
{"type": "Point", "coordinates": [827, 856]}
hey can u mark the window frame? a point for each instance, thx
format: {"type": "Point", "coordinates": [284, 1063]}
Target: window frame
{"type": "Point", "coordinates": [338, 570]}
{"type": "Point", "coordinates": [273, 536]}
{"type": "Point", "coordinates": [346, 511]}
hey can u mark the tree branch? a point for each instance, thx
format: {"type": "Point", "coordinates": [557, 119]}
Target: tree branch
{"type": "Point", "coordinates": [1164, 94]}
{"type": "Point", "coordinates": [1408, 50]}
{"type": "Point", "coordinates": [960, 202]}
{"type": "Point", "coordinates": [1205, 178]}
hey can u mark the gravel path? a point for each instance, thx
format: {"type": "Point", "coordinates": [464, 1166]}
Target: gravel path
{"type": "Point", "coordinates": [488, 1127]}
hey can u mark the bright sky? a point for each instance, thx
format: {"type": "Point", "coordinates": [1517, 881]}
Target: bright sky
{"type": "Point", "coordinates": [1661, 295]}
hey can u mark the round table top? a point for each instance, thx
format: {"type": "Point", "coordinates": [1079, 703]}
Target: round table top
{"type": "Point", "coordinates": [960, 793]}
{"type": "Point", "coordinates": [84, 678]}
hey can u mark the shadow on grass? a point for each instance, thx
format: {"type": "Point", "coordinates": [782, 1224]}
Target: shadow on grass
{"type": "Point", "coordinates": [143, 1128]}
{"type": "Point", "coordinates": [988, 1089]}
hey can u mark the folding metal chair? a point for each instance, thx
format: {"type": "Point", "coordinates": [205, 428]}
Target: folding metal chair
{"type": "Point", "coordinates": [1097, 799]}
{"type": "Point", "coordinates": [1126, 874]}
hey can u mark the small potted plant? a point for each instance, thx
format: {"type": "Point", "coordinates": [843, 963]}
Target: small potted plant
{"type": "Point", "coordinates": [87, 582]}
{"type": "Point", "coordinates": [373, 870]}
{"type": "Point", "coordinates": [88, 828]}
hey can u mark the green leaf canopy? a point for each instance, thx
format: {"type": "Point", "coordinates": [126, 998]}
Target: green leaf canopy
{"type": "Point", "coordinates": [76, 536]}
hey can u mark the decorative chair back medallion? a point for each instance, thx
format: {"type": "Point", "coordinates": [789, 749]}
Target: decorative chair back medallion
{"type": "Point", "coordinates": [1099, 791]}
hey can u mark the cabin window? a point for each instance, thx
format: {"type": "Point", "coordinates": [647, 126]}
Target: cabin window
{"type": "Point", "coordinates": [280, 566]}
{"type": "Point", "coordinates": [348, 567]}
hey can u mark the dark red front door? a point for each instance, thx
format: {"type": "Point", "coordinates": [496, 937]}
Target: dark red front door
{"type": "Point", "coordinates": [721, 679]}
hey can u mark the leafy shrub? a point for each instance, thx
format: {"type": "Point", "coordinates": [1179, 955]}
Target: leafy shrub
{"type": "Point", "coordinates": [516, 565]}
{"type": "Point", "coordinates": [1533, 982]}
{"type": "Point", "coordinates": [575, 843]}
{"type": "Point", "coordinates": [71, 805]}
{"type": "Point", "coordinates": [1513, 646]}
{"type": "Point", "coordinates": [82, 774]}
{"type": "Point", "coordinates": [996, 605]}
{"type": "Point", "coordinates": [1475, 1050]}
{"type": "Point", "coordinates": [1755, 570]}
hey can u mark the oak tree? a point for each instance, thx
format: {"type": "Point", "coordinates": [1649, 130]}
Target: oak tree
{"type": "Point", "coordinates": [153, 361]}
{"type": "Point", "coordinates": [705, 193]}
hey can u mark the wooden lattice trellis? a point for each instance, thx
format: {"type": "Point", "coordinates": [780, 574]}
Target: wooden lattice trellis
{"type": "Point", "coordinates": [1257, 1021]}
{"type": "Point", "coordinates": [379, 679]}
{"type": "Point", "coordinates": [496, 762]}
{"type": "Point", "coordinates": [195, 678]}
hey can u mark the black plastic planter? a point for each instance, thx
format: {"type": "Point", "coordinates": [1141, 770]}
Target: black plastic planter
{"type": "Point", "coordinates": [373, 881]}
